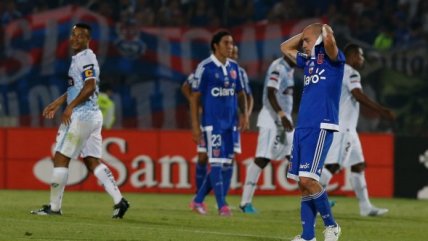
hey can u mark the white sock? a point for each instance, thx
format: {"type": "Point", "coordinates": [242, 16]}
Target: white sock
{"type": "Point", "coordinates": [326, 176]}
{"type": "Point", "coordinates": [253, 174]}
{"type": "Point", "coordinates": [358, 182]}
{"type": "Point", "coordinates": [59, 180]}
{"type": "Point", "coordinates": [103, 173]}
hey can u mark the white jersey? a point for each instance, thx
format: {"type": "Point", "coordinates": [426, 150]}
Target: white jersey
{"type": "Point", "coordinates": [84, 66]}
{"type": "Point", "coordinates": [349, 107]}
{"type": "Point", "coordinates": [281, 77]}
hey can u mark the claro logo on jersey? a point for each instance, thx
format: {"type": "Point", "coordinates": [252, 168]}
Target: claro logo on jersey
{"type": "Point", "coordinates": [315, 76]}
{"type": "Point", "coordinates": [218, 91]}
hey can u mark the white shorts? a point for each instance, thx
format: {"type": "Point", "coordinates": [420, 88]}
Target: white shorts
{"type": "Point", "coordinates": [274, 143]}
{"type": "Point", "coordinates": [345, 149]}
{"type": "Point", "coordinates": [80, 137]}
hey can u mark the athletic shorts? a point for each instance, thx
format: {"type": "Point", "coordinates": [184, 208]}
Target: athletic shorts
{"type": "Point", "coordinates": [310, 147]}
{"type": "Point", "coordinates": [220, 145]}
{"type": "Point", "coordinates": [274, 143]}
{"type": "Point", "coordinates": [80, 137]}
{"type": "Point", "coordinates": [345, 150]}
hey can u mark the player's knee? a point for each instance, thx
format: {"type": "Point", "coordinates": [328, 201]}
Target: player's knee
{"type": "Point", "coordinates": [358, 168]}
{"type": "Point", "coordinates": [333, 168]}
{"type": "Point", "coordinates": [202, 158]}
{"type": "Point", "coordinates": [261, 162]}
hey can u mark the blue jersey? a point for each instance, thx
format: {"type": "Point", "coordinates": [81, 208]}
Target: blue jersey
{"type": "Point", "coordinates": [218, 85]}
{"type": "Point", "coordinates": [319, 106]}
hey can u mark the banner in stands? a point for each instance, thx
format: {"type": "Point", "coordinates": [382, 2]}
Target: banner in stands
{"type": "Point", "coordinates": [164, 162]}
{"type": "Point", "coordinates": [411, 167]}
{"type": "Point", "coordinates": [145, 66]}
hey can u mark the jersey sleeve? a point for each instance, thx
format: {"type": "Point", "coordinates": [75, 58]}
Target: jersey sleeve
{"type": "Point", "coordinates": [353, 81]}
{"type": "Point", "coordinates": [301, 59]}
{"type": "Point", "coordinates": [246, 81]}
{"type": "Point", "coordinates": [190, 79]}
{"type": "Point", "coordinates": [198, 78]}
{"type": "Point", "coordinates": [88, 65]}
{"type": "Point", "coordinates": [274, 76]}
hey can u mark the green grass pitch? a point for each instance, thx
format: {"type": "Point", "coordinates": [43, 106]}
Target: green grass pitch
{"type": "Point", "coordinates": [87, 216]}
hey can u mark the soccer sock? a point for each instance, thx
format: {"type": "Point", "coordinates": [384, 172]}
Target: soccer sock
{"type": "Point", "coordinates": [59, 180]}
{"type": "Point", "coordinates": [216, 178]}
{"type": "Point", "coordinates": [201, 173]}
{"type": "Point", "coordinates": [227, 172]}
{"type": "Point", "coordinates": [204, 190]}
{"type": "Point", "coordinates": [253, 174]}
{"type": "Point", "coordinates": [358, 181]}
{"type": "Point", "coordinates": [326, 176]}
{"type": "Point", "coordinates": [323, 207]}
{"type": "Point", "coordinates": [104, 175]}
{"type": "Point", "coordinates": [308, 215]}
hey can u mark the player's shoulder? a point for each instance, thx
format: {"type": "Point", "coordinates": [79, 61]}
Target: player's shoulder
{"type": "Point", "coordinates": [86, 56]}
{"type": "Point", "coordinates": [351, 72]}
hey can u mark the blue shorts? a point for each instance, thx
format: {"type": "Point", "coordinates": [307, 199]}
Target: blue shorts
{"type": "Point", "coordinates": [309, 150]}
{"type": "Point", "coordinates": [220, 145]}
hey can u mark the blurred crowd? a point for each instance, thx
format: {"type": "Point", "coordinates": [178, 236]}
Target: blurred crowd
{"type": "Point", "coordinates": [383, 24]}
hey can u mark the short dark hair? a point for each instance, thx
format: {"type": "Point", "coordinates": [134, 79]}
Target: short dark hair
{"type": "Point", "coordinates": [351, 48]}
{"type": "Point", "coordinates": [84, 26]}
{"type": "Point", "coordinates": [218, 36]}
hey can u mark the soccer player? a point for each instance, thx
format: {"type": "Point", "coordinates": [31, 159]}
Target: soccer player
{"type": "Point", "coordinates": [275, 126]}
{"type": "Point", "coordinates": [202, 162]}
{"type": "Point", "coordinates": [80, 129]}
{"type": "Point", "coordinates": [323, 65]}
{"type": "Point", "coordinates": [346, 148]}
{"type": "Point", "coordinates": [215, 89]}
{"type": "Point", "coordinates": [201, 165]}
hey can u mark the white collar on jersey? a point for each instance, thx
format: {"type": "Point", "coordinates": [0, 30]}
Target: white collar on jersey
{"type": "Point", "coordinates": [219, 64]}
{"type": "Point", "coordinates": [318, 42]}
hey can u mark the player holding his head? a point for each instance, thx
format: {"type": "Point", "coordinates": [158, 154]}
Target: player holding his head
{"type": "Point", "coordinates": [346, 148]}
{"type": "Point", "coordinates": [215, 89]}
{"type": "Point", "coordinates": [275, 126]}
{"type": "Point", "coordinates": [81, 123]}
{"type": "Point", "coordinates": [323, 66]}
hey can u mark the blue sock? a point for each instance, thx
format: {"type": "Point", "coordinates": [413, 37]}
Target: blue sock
{"type": "Point", "coordinates": [308, 215]}
{"type": "Point", "coordinates": [227, 177]}
{"type": "Point", "coordinates": [216, 178]}
{"type": "Point", "coordinates": [201, 173]}
{"type": "Point", "coordinates": [323, 207]}
{"type": "Point", "coordinates": [203, 191]}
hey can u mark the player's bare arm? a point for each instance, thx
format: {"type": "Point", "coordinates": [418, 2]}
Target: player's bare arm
{"type": "Point", "coordinates": [290, 47]}
{"type": "Point", "coordinates": [243, 115]}
{"type": "Point", "coordinates": [366, 101]}
{"type": "Point", "coordinates": [186, 90]}
{"type": "Point", "coordinates": [286, 123]}
{"type": "Point", "coordinates": [88, 89]}
{"type": "Point", "coordinates": [194, 115]}
{"type": "Point", "coordinates": [50, 110]}
{"type": "Point", "coordinates": [329, 42]}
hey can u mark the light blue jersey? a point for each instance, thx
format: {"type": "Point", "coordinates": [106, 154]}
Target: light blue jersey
{"type": "Point", "coordinates": [84, 66]}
